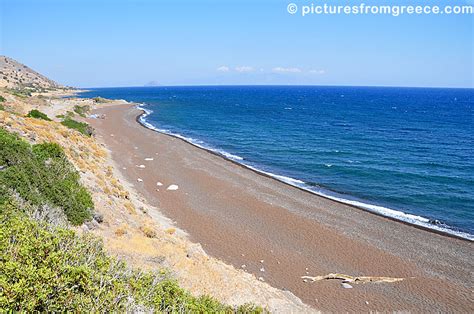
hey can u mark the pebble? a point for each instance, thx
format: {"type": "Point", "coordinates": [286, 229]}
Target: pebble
{"type": "Point", "coordinates": [172, 187]}
{"type": "Point", "coordinates": [346, 285]}
{"type": "Point", "coordinates": [243, 266]}
{"type": "Point", "coordinates": [139, 180]}
{"type": "Point", "coordinates": [367, 302]}
{"type": "Point", "coordinates": [261, 261]}
{"type": "Point", "coordinates": [148, 159]}
{"type": "Point", "coordinates": [159, 184]}
{"type": "Point", "coordinates": [141, 166]}
{"type": "Point", "coordinates": [262, 269]}
{"type": "Point", "coordinates": [261, 279]}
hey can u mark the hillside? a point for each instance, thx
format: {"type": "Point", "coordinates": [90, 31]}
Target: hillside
{"type": "Point", "coordinates": [15, 75]}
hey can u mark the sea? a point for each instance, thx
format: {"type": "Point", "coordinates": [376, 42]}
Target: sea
{"type": "Point", "coordinates": [405, 153]}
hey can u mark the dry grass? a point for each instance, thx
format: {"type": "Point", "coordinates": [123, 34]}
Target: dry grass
{"type": "Point", "coordinates": [170, 230]}
{"type": "Point", "coordinates": [120, 231]}
{"type": "Point", "coordinates": [148, 231]}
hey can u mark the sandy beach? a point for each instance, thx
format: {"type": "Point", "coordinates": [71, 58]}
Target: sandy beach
{"type": "Point", "coordinates": [280, 233]}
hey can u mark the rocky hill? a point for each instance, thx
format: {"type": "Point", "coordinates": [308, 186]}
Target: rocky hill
{"type": "Point", "coordinates": [16, 75]}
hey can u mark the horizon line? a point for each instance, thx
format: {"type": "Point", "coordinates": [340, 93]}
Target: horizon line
{"type": "Point", "coordinates": [274, 85]}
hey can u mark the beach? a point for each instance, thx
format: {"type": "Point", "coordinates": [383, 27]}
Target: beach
{"type": "Point", "coordinates": [280, 233]}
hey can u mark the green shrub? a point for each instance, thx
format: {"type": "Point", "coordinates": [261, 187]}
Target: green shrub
{"type": "Point", "coordinates": [49, 269]}
{"type": "Point", "coordinates": [2, 108]}
{"type": "Point", "coordinates": [20, 92]}
{"type": "Point", "coordinates": [2, 99]}
{"type": "Point", "coordinates": [38, 115]}
{"type": "Point", "coordinates": [81, 110]}
{"type": "Point", "coordinates": [82, 127]}
{"type": "Point", "coordinates": [42, 175]}
{"type": "Point", "coordinates": [100, 100]}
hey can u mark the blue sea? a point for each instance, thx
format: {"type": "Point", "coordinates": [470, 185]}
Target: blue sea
{"type": "Point", "coordinates": [406, 153]}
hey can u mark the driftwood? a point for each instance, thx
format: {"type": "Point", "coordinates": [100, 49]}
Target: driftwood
{"type": "Point", "coordinates": [353, 279]}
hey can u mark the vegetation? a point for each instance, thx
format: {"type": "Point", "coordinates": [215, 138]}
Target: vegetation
{"type": "Point", "coordinates": [100, 99]}
{"type": "Point", "coordinates": [81, 110]}
{"type": "Point", "coordinates": [50, 269]}
{"type": "Point", "coordinates": [2, 99]}
{"type": "Point", "coordinates": [82, 127]}
{"type": "Point", "coordinates": [38, 115]}
{"type": "Point", "coordinates": [20, 92]}
{"type": "Point", "coordinates": [2, 108]}
{"type": "Point", "coordinates": [42, 176]}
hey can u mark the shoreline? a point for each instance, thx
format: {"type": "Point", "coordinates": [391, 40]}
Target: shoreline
{"type": "Point", "coordinates": [256, 223]}
{"type": "Point", "coordinates": [428, 227]}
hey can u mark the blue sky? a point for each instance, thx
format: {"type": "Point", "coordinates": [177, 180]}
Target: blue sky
{"type": "Point", "coordinates": [176, 42]}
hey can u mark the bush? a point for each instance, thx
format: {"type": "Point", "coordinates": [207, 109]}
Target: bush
{"type": "Point", "coordinates": [100, 100]}
{"type": "Point", "coordinates": [38, 115]}
{"type": "Point", "coordinates": [81, 110]}
{"type": "Point", "coordinates": [2, 108]}
{"type": "Point", "coordinates": [2, 99]}
{"type": "Point", "coordinates": [42, 175]}
{"type": "Point", "coordinates": [49, 269]}
{"type": "Point", "coordinates": [82, 127]}
{"type": "Point", "coordinates": [20, 92]}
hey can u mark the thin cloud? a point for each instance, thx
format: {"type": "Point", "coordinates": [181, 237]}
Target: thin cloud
{"type": "Point", "coordinates": [321, 72]}
{"type": "Point", "coordinates": [286, 70]}
{"type": "Point", "coordinates": [244, 69]}
{"type": "Point", "coordinates": [223, 69]}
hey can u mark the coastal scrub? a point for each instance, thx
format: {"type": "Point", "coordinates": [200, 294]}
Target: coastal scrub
{"type": "Point", "coordinates": [38, 115]}
{"type": "Point", "coordinates": [82, 127]}
{"type": "Point", "coordinates": [41, 175]}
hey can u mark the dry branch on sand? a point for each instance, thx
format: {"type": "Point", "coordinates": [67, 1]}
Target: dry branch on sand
{"type": "Point", "coordinates": [353, 279]}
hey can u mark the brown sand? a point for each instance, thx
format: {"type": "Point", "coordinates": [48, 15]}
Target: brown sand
{"type": "Point", "coordinates": [244, 218]}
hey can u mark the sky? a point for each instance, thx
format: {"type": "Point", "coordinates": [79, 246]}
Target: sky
{"type": "Point", "coordinates": [104, 43]}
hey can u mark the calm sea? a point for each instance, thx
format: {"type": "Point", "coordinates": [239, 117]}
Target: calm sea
{"type": "Point", "coordinates": [403, 152]}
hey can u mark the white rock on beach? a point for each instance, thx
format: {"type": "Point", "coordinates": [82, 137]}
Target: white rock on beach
{"type": "Point", "coordinates": [159, 184]}
{"type": "Point", "coordinates": [346, 285]}
{"type": "Point", "coordinates": [172, 187]}
{"type": "Point", "coordinates": [141, 166]}
{"type": "Point", "coordinates": [148, 159]}
{"type": "Point", "coordinates": [139, 180]}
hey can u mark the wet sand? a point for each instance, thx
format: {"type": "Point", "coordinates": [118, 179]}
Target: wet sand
{"type": "Point", "coordinates": [244, 218]}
